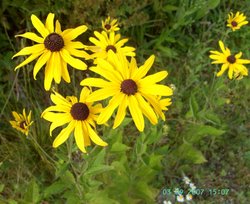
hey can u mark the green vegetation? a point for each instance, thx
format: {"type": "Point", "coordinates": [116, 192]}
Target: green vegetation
{"type": "Point", "coordinates": [206, 132]}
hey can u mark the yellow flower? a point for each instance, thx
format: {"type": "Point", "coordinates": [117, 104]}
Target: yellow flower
{"type": "Point", "coordinates": [235, 22]}
{"type": "Point", "coordinates": [54, 49]}
{"type": "Point", "coordinates": [110, 26]}
{"type": "Point", "coordinates": [107, 42]}
{"type": "Point", "coordinates": [129, 87]}
{"type": "Point", "coordinates": [80, 117]}
{"type": "Point", "coordinates": [229, 61]}
{"type": "Point", "coordinates": [22, 122]}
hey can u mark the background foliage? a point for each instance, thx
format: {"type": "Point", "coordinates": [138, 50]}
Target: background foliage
{"type": "Point", "coordinates": [205, 136]}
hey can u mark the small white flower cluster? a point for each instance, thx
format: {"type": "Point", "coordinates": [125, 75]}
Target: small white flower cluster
{"type": "Point", "coordinates": [167, 202]}
{"type": "Point", "coordinates": [179, 192]}
{"type": "Point", "coordinates": [180, 198]}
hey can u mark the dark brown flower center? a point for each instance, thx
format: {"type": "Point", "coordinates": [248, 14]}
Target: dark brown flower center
{"type": "Point", "coordinates": [111, 47]}
{"type": "Point", "coordinates": [107, 26]}
{"type": "Point", "coordinates": [22, 124]}
{"type": "Point", "coordinates": [129, 87]}
{"type": "Point", "coordinates": [234, 23]}
{"type": "Point", "coordinates": [79, 111]}
{"type": "Point", "coordinates": [54, 42]}
{"type": "Point", "coordinates": [231, 59]}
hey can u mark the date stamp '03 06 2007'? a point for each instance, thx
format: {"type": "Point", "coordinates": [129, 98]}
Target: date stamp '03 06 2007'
{"type": "Point", "coordinates": [199, 191]}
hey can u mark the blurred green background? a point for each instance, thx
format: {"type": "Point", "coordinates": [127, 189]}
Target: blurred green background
{"type": "Point", "coordinates": [205, 135]}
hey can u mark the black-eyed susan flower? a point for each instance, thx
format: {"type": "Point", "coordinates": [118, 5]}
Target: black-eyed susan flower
{"type": "Point", "coordinates": [54, 48]}
{"type": "Point", "coordinates": [129, 87]}
{"type": "Point", "coordinates": [22, 122]}
{"type": "Point", "coordinates": [105, 42]}
{"type": "Point", "coordinates": [80, 117]}
{"type": "Point", "coordinates": [229, 61]}
{"type": "Point", "coordinates": [110, 25]}
{"type": "Point", "coordinates": [236, 21]}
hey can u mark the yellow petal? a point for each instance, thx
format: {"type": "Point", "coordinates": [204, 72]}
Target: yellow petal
{"type": "Point", "coordinates": [94, 137]}
{"type": "Point", "coordinates": [65, 72]}
{"type": "Point", "coordinates": [146, 109]}
{"type": "Point", "coordinates": [40, 62]}
{"type": "Point", "coordinates": [155, 103]}
{"type": "Point", "coordinates": [64, 134]}
{"type": "Point", "coordinates": [58, 99]}
{"type": "Point", "coordinates": [143, 70]}
{"type": "Point", "coordinates": [136, 113]}
{"type": "Point", "coordinates": [48, 75]}
{"type": "Point", "coordinates": [57, 66]}
{"type": "Point", "coordinates": [57, 108]}
{"type": "Point", "coordinates": [223, 69]}
{"type": "Point", "coordinates": [79, 136]}
{"type": "Point", "coordinates": [113, 76]}
{"type": "Point", "coordinates": [84, 94]}
{"type": "Point", "coordinates": [157, 89]}
{"type": "Point", "coordinates": [120, 63]}
{"type": "Point", "coordinates": [39, 26]}
{"type": "Point", "coordinates": [58, 27]}
{"type": "Point", "coordinates": [121, 42]}
{"type": "Point", "coordinates": [72, 34]}
{"type": "Point", "coordinates": [154, 78]}
{"type": "Point", "coordinates": [230, 71]}
{"type": "Point", "coordinates": [98, 43]}
{"type": "Point", "coordinates": [29, 59]}
{"type": "Point", "coordinates": [121, 111]}
{"type": "Point", "coordinates": [77, 53]}
{"type": "Point", "coordinates": [86, 137]}
{"type": "Point", "coordinates": [61, 119]}
{"type": "Point", "coordinates": [30, 50]}
{"type": "Point", "coordinates": [243, 61]}
{"type": "Point", "coordinates": [132, 67]}
{"type": "Point", "coordinates": [107, 111]}
{"type": "Point", "coordinates": [94, 82]}
{"type": "Point", "coordinates": [76, 45]}
{"type": "Point", "coordinates": [50, 22]}
{"type": "Point", "coordinates": [222, 47]}
{"type": "Point", "coordinates": [100, 37]}
{"type": "Point", "coordinates": [16, 116]}
{"type": "Point", "coordinates": [32, 36]}
{"type": "Point", "coordinates": [102, 94]}
{"type": "Point", "coordinates": [76, 63]}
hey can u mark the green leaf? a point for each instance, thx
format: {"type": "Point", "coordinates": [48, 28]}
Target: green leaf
{"type": "Point", "coordinates": [94, 170]}
{"type": "Point", "coordinates": [193, 107]}
{"type": "Point", "coordinates": [32, 194]}
{"type": "Point", "coordinates": [169, 8]}
{"type": "Point", "coordinates": [72, 197]}
{"type": "Point", "coordinates": [143, 190]}
{"type": "Point", "coordinates": [209, 116]}
{"type": "Point", "coordinates": [213, 3]}
{"type": "Point", "coordinates": [1, 187]}
{"type": "Point", "coordinates": [195, 133]}
{"type": "Point", "coordinates": [55, 188]}
{"type": "Point", "coordinates": [188, 154]}
{"type": "Point", "coordinates": [68, 178]}
{"type": "Point", "coordinates": [155, 161]}
{"type": "Point", "coordinates": [119, 147]}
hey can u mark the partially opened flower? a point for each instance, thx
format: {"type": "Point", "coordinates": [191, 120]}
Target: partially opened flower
{"type": "Point", "coordinates": [54, 49]}
{"type": "Point", "coordinates": [22, 122]}
{"type": "Point", "coordinates": [236, 21]}
{"type": "Point", "coordinates": [106, 42]}
{"type": "Point", "coordinates": [80, 117]}
{"type": "Point", "coordinates": [229, 61]}
{"type": "Point", "coordinates": [110, 25]}
{"type": "Point", "coordinates": [129, 87]}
